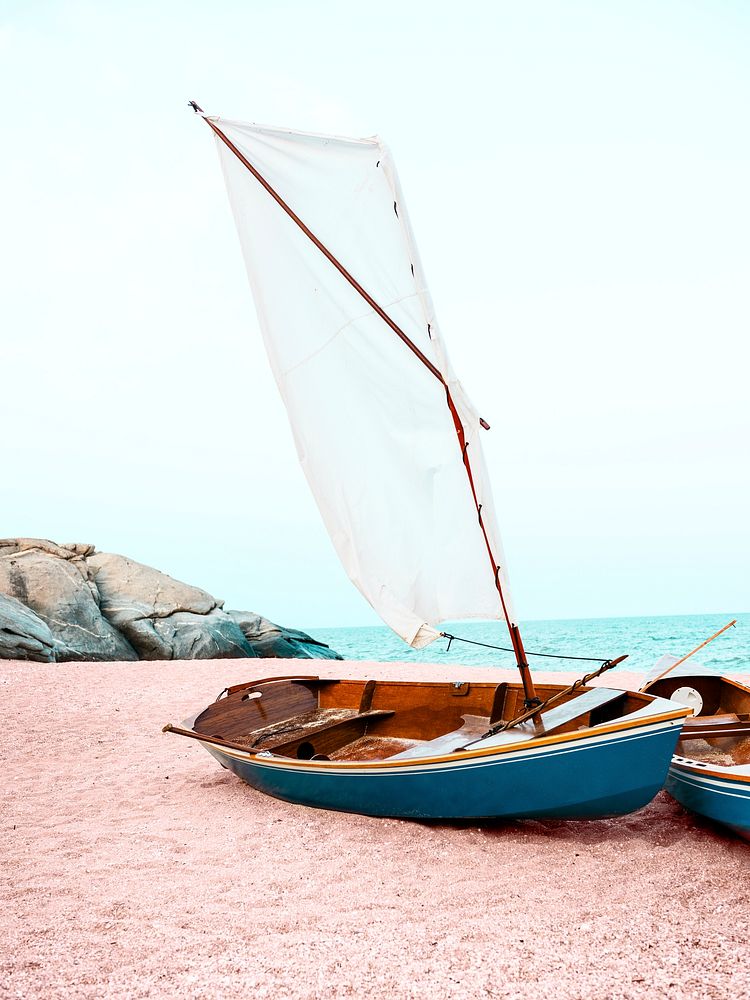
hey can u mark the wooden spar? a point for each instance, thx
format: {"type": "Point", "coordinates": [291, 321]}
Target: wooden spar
{"type": "Point", "coordinates": [523, 667]}
{"type": "Point", "coordinates": [688, 655]}
{"type": "Point", "coordinates": [327, 253]}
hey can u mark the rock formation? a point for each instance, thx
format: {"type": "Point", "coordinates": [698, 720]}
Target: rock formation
{"type": "Point", "coordinates": [55, 582]}
{"type": "Point", "coordinates": [23, 635]}
{"type": "Point", "coordinates": [70, 602]}
{"type": "Point", "coordinates": [268, 639]}
{"type": "Point", "coordinates": [162, 618]}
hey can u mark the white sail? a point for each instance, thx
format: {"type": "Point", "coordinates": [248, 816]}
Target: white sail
{"type": "Point", "coordinates": [373, 429]}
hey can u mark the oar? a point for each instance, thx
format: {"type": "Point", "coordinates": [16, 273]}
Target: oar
{"type": "Point", "coordinates": [688, 655]}
{"type": "Point", "coordinates": [169, 728]}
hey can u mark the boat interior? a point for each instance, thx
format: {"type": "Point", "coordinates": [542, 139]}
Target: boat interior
{"type": "Point", "coordinates": [311, 718]}
{"type": "Point", "coordinates": [719, 731]}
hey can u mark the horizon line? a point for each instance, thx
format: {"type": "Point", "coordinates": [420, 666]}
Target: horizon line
{"type": "Point", "coordinates": [528, 621]}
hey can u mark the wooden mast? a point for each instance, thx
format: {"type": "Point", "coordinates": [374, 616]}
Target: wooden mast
{"type": "Point", "coordinates": [515, 635]}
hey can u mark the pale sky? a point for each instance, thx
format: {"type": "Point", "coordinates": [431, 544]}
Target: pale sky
{"type": "Point", "coordinates": [577, 178]}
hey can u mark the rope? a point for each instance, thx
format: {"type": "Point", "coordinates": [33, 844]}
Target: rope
{"type": "Point", "coordinates": [505, 649]}
{"type": "Point", "coordinates": [502, 726]}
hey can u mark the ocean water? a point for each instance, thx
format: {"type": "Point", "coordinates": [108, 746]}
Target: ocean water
{"type": "Point", "coordinates": [643, 639]}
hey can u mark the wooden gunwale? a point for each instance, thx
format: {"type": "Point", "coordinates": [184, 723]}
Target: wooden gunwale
{"type": "Point", "coordinates": [530, 744]}
{"type": "Point", "coordinates": [284, 677]}
{"type": "Point", "coordinates": [692, 766]}
{"type": "Point", "coordinates": [435, 697]}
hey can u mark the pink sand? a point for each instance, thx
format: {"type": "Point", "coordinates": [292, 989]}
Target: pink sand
{"type": "Point", "coordinates": [134, 866]}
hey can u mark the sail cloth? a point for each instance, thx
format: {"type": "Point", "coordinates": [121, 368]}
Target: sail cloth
{"type": "Point", "coordinates": [373, 429]}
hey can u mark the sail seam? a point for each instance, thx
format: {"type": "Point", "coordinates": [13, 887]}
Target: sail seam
{"type": "Point", "coordinates": [459, 428]}
{"type": "Point", "coordinates": [337, 333]}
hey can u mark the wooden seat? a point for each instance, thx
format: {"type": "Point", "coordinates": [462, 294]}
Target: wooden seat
{"type": "Point", "coordinates": [703, 720]}
{"type": "Point", "coordinates": [582, 704]}
{"type": "Point", "coordinates": [324, 734]}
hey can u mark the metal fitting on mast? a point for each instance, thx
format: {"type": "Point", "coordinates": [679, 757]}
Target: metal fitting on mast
{"type": "Point", "coordinates": [530, 696]}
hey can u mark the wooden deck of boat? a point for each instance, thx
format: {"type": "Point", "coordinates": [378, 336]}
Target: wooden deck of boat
{"type": "Point", "coordinates": [721, 695]}
{"type": "Point", "coordinates": [329, 727]}
{"type": "Point", "coordinates": [309, 718]}
{"type": "Point", "coordinates": [721, 733]}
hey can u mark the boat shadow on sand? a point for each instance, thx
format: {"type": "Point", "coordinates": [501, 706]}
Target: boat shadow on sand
{"type": "Point", "coordinates": [662, 823]}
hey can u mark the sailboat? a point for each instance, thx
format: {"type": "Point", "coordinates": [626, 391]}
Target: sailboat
{"type": "Point", "coordinates": [710, 772]}
{"type": "Point", "coordinates": [390, 444]}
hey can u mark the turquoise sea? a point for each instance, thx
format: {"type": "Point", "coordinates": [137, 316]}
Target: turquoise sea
{"type": "Point", "coordinates": [644, 639]}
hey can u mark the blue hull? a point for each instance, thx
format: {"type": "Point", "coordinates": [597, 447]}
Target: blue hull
{"type": "Point", "coordinates": [716, 796]}
{"type": "Point", "coordinates": [594, 777]}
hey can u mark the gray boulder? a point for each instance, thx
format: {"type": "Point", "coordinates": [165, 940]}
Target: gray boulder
{"type": "Point", "coordinates": [55, 583]}
{"type": "Point", "coordinates": [162, 618]}
{"type": "Point", "coordinates": [70, 602]}
{"type": "Point", "coordinates": [23, 635]}
{"type": "Point", "coordinates": [270, 640]}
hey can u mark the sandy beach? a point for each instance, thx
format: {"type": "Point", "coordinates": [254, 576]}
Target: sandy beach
{"type": "Point", "coordinates": [134, 866]}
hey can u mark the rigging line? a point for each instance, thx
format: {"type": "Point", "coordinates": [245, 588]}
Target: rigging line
{"type": "Point", "coordinates": [505, 649]}
{"type": "Point", "coordinates": [532, 712]}
{"type": "Point", "coordinates": [393, 326]}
